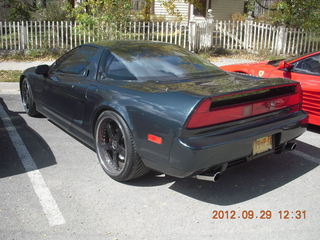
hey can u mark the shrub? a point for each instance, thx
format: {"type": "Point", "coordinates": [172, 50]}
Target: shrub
{"type": "Point", "coordinates": [54, 11]}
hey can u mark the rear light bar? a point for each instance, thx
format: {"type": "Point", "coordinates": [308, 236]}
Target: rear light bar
{"type": "Point", "coordinates": [205, 116]}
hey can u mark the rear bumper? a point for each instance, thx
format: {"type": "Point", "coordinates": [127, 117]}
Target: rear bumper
{"type": "Point", "coordinates": [197, 153]}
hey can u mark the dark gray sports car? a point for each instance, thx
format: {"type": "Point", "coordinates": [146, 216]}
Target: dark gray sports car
{"type": "Point", "coordinates": [150, 105]}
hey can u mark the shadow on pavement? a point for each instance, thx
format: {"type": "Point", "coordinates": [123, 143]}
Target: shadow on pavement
{"type": "Point", "coordinates": [10, 163]}
{"type": "Point", "coordinates": [243, 182]}
{"type": "Point", "coordinates": [314, 128]}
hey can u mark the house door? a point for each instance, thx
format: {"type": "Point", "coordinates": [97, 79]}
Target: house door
{"type": "Point", "coordinates": [199, 11]}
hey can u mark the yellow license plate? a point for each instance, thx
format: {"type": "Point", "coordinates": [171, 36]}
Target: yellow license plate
{"type": "Point", "coordinates": [262, 145]}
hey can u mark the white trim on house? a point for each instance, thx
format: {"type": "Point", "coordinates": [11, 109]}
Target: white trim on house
{"type": "Point", "coordinates": [199, 18]}
{"type": "Point", "coordinates": [221, 9]}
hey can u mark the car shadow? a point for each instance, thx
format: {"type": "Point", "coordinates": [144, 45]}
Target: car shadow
{"type": "Point", "coordinates": [10, 163]}
{"type": "Point", "coordinates": [242, 182]}
{"type": "Point", "coordinates": [314, 128]}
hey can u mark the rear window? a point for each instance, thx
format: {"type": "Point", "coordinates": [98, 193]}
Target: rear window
{"type": "Point", "coordinates": [156, 62]}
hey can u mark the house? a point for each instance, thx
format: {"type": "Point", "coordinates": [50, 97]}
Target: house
{"type": "Point", "coordinates": [219, 9]}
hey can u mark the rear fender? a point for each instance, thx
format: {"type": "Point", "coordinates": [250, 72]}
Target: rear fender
{"type": "Point", "coordinates": [105, 106]}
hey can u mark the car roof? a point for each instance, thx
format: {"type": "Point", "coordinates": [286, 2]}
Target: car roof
{"type": "Point", "coordinates": [114, 45]}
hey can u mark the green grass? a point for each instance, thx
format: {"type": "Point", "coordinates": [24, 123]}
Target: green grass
{"type": "Point", "coordinates": [10, 75]}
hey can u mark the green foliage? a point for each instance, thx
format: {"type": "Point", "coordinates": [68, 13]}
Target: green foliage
{"type": "Point", "coordinates": [19, 10]}
{"type": "Point", "coordinates": [250, 5]}
{"type": "Point", "coordinates": [298, 13]}
{"type": "Point", "coordinates": [147, 10]}
{"type": "Point", "coordinates": [101, 17]}
{"type": "Point", "coordinates": [96, 12]}
{"type": "Point", "coordinates": [292, 13]}
{"type": "Point", "coordinates": [170, 6]}
{"type": "Point", "coordinates": [54, 11]}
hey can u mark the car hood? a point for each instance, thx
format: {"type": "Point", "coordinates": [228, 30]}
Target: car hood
{"type": "Point", "coordinates": [256, 63]}
{"type": "Point", "coordinates": [209, 86]}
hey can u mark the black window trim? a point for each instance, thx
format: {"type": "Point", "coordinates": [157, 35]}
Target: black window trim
{"type": "Point", "coordinates": [103, 59]}
{"type": "Point", "coordinates": [296, 62]}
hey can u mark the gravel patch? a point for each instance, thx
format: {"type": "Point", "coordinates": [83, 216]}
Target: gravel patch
{"type": "Point", "coordinates": [229, 61]}
{"type": "Point", "coordinates": [9, 88]}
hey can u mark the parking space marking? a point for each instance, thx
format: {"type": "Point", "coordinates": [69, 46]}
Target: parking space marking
{"type": "Point", "coordinates": [46, 199]}
{"type": "Point", "coordinates": [306, 156]}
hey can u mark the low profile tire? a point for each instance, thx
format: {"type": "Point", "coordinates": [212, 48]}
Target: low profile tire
{"type": "Point", "coordinates": [115, 148]}
{"type": "Point", "coordinates": [27, 98]}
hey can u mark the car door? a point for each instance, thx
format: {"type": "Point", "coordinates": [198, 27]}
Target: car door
{"type": "Point", "coordinates": [66, 85]}
{"type": "Point", "coordinates": [307, 72]}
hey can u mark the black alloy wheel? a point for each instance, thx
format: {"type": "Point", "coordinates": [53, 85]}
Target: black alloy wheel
{"type": "Point", "coordinates": [27, 98]}
{"type": "Point", "coordinates": [115, 148]}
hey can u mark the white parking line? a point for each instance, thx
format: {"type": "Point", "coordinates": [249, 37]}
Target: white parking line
{"type": "Point", "coordinates": [47, 202]}
{"type": "Point", "coordinates": [306, 156]}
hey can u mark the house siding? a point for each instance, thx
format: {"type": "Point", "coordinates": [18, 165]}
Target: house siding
{"type": "Point", "coordinates": [223, 9]}
{"type": "Point", "coordinates": [181, 6]}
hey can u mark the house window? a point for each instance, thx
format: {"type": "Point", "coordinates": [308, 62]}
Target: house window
{"type": "Point", "coordinates": [137, 5]}
{"type": "Point", "coordinates": [199, 9]}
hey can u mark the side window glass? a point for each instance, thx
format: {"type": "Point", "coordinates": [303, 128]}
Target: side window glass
{"type": "Point", "coordinates": [116, 70]}
{"type": "Point", "coordinates": [77, 60]}
{"type": "Point", "coordinates": [310, 65]}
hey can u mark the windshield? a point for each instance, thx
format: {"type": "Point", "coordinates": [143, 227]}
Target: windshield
{"type": "Point", "coordinates": [160, 62]}
{"type": "Point", "coordinates": [276, 62]}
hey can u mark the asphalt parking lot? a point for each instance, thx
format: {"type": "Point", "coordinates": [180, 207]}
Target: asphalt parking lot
{"type": "Point", "coordinates": [70, 197]}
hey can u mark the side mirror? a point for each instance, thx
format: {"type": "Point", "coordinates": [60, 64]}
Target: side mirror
{"type": "Point", "coordinates": [284, 65]}
{"type": "Point", "coordinates": [42, 69]}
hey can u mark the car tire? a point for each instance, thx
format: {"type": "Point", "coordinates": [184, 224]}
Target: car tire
{"type": "Point", "coordinates": [115, 147]}
{"type": "Point", "coordinates": [27, 98]}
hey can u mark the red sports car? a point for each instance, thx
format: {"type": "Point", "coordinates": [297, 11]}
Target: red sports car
{"type": "Point", "coordinates": [304, 69]}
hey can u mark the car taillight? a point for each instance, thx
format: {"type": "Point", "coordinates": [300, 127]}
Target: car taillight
{"type": "Point", "coordinates": [205, 115]}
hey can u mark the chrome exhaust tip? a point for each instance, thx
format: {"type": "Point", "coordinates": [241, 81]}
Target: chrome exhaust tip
{"type": "Point", "coordinates": [213, 178]}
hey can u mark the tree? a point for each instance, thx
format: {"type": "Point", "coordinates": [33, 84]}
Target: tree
{"type": "Point", "coordinates": [19, 9]}
{"type": "Point", "coordinates": [292, 13]}
{"type": "Point", "coordinates": [94, 12]}
{"type": "Point", "coordinates": [170, 6]}
{"type": "Point", "coordinates": [51, 10]}
{"type": "Point", "coordinates": [298, 13]}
